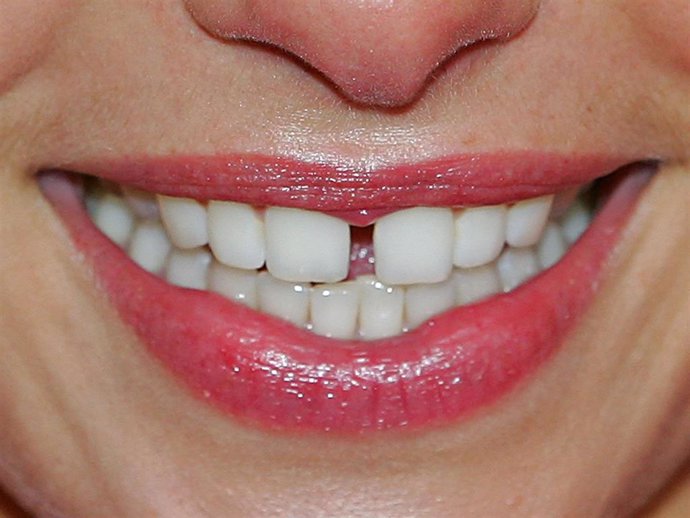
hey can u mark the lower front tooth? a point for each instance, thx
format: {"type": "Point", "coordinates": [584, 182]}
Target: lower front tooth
{"type": "Point", "coordinates": [189, 268]}
{"type": "Point", "coordinates": [414, 246]}
{"type": "Point", "coordinates": [283, 299]}
{"type": "Point", "coordinates": [234, 283]}
{"type": "Point", "coordinates": [515, 266]}
{"type": "Point", "coordinates": [149, 246]}
{"type": "Point", "coordinates": [473, 284]}
{"type": "Point", "coordinates": [381, 309]}
{"type": "Point", "coordinates": [423, 301]}
{"type": "Point", "coordinates": [334, 309]}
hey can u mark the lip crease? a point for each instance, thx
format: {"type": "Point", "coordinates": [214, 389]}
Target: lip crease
{"type": "Point", "coordinates": [264, 371]}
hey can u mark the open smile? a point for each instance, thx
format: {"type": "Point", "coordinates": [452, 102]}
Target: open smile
{"type": "Point", "coordinates": [347, 301]}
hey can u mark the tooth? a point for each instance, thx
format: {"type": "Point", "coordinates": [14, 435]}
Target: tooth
{"type": "Point", "coordinates": [334, 309]}
{"type": "Point", "coordinates": [149, 246]}
{"type": "Point", "coordinates": [515, 266]}
{"type": "Point", "coordinates": [185, 221]}
{"type": "Point", "coordinates": [283, 299]}
{"type": "Point", "coordinates": [480, 233]}
{"type": "Point", "coordinates": [526, 221]}
{"type": "Point", "coordinates": [306, 246]}
{"type": "Point", "coordinates": [233, 283]}
{"type": "Point", "coordinates": [478, 283]}
{"type": "Point", "coordinates": [236, 234]}
{"type": "Point", "coordinates": [142, 203]}
{"type": "Point", "coordinates": [381, 309]}
{"type": "Point", "coordinates": [423, 301]}
{"type": "Point", "coordinates": [114, 218]}
{"type": "Point", "coordinates": [414, 246]}
{"type": "Point", "coordinates": [575, 221]}
{"type": "Point", "coordinates": [551, 247]}
{"type": "Point", "coordinates": [189, 268]}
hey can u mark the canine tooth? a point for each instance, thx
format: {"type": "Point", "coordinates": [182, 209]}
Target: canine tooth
{"type": "Point", "coordinates": [414, 246]}
{"type": "Point", "coordinates": [185, 221]}
{"type": "Point", "coordinates": [233, 283]}
{"type": "Point", "coordinates": [526, 221]}
{"type": "Point", "coordinates": [381, 309]}
{"type": "Point", "coordinates": [113, 217]}
{"type": "Point", "coordinates": [236, 234]}
{"type": "Point", "coordinates": [423, 301]}
{"type": "Point", "coordinates": [480, 233]}
{"type": "Point", "coordinates": [283, 299]}
{"type": "Point", "coordinates": [149, 246]}
{"type": "Point", "coordinates": [575, 221]}
{"type": "Point", "coordinates": [334, 309]}
{"type": "Point", "coordinates": [473, 284]}
{"type": "Point", "coordinates": [515, 266]}
{"type": "Point", "coordinates": [142, 203]}
{"type": "Point", "coordinates": [306, 246]}
{"type": "Point", "coordinates": [189, 268]}
{"type": "Point", "coordinates": [551, 247]}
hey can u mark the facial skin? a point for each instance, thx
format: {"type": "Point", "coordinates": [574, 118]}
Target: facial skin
{"type": "Point", "coordinates": [91, 422]}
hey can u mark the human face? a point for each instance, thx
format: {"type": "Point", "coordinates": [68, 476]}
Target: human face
{"type": "Point", "coordinates": [121, 392]}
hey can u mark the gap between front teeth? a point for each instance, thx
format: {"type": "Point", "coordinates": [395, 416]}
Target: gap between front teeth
{"type": "Point", "coordinates": [427, 259]}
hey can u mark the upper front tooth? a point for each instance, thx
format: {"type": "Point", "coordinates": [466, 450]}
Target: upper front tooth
{"type": "Point", "coordinates": [526, 221]}
{"type": "Point", "coordinates": [185, 221]}
{"type": "Point", "coordinates": [114, 218]}
{"type": "Point", "coordinates": [305, 245]}
{"type": "Point", "coordinates": [236, 234]}
{"type": "Point", "coordinates": [414, 246]}
{"type": "Point", "coordinates": [480, 233]}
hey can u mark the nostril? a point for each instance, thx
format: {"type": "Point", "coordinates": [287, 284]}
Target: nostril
{"type": "Point", "coordinates": [373, 52]}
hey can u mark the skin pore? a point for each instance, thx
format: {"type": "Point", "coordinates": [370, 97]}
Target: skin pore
{"type": "Point", "coordinates": [90, 421]}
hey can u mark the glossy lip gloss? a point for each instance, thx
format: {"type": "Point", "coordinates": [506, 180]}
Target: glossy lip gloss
{"type": "Point", "coordinates": [265, 371]}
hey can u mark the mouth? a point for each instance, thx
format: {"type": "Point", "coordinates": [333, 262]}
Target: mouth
{"type": "Point", "coordinates": [298, 298]}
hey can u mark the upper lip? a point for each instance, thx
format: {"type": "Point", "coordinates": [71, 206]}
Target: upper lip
{"type": "Point", "coordinates": [457, 180]}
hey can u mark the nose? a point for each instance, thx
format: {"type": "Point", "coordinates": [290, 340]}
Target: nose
{"type": "Point", "coordinates": [379, 52]}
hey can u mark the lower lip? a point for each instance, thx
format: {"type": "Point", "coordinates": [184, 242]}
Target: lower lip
{"type": "Point", "coordinates": [266, 372]}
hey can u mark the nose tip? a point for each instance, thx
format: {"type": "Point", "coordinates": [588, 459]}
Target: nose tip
{"type": "Point", "coordinates": [376, 52]}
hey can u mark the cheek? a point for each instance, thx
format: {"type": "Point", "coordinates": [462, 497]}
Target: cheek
{"type": "Point", "coordinates": [27, 28]}
{"type": "Point", "coordinates": [667, 24]}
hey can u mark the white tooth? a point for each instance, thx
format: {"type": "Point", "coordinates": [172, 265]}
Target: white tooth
{"type": "Point", "coordinates": [233, 283]}
{"type": "Point", "coordinates": [516, 265]}
{"type": "Point", "coordinates": [480, 233]}
{"type": "Point", "coordinates": [423, 301]}
{"type": "Point", "coordinates": [552, 246]}
{"type": "Point", "coordinates": [414, 246]}
{"type": "Point", "coordinates": [185, 221]}
{"type": "Point", "coordinates": [306, 246]}
{"type": "Point", "coordinates": [236, 234]}
{"type": "Point", "coordinates": [189, 268]}
{"type": "Point", "coordinates": [334, 309]}
{"type": "Point", "coordinates": [149, 246]}
{"type": "Point", "coordinates": [381, 309]}
{"type": "Point", "coordinates": [575, 221]}
{"type": "Point", "coordinates": [142, 203]}
{"type": "Point", "coordinates": [283, 299]}
{"type": "Point", "coordinates": [475, 284]}
{"type": "Point", "coordinates": [114, 218]}
{"type": "Point", "coordinates": [526, 221]}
